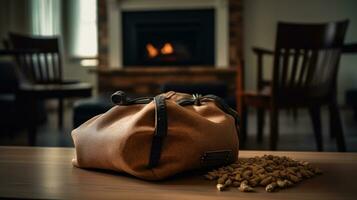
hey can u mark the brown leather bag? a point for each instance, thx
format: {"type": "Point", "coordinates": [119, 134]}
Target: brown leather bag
{"type": "Point", "coordinates": [154, 138]}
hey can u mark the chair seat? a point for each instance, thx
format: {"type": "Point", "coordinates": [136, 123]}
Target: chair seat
{"type": "Point", "coordinates": [56, 90]}
{"type": "Point", "coordinates": [260, 99]}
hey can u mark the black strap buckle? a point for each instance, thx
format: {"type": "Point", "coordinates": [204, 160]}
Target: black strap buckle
{"type": "Point", "coordinates": [212, 159]}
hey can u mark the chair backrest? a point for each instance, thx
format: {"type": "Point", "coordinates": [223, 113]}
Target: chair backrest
{"type": "Point", "coordinates": [306, 61]}
{"type": "Point", "coordinates": [39, 58]}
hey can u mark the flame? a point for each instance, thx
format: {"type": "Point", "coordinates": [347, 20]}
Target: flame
{"type": "Point", "coordinates": [167, 49]}
{"type": "Point", "coordinates": [152, 51]}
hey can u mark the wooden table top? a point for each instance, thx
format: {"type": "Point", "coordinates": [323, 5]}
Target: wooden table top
{"type": "Point", "coordinates": [47, 173]}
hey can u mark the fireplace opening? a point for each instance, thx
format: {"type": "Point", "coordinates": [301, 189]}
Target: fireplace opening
{"type": "Point", "coordinates": [166, 52]}
{"type": "Point", "coordinates": [168, 38]}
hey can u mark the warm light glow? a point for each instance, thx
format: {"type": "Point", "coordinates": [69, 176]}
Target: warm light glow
{"type": "Point", "coordinates": [152, 51]}
{"type": "Point", "coordinates": [89, 62]}
{"type": "Point", "coordinates": [167, 49]}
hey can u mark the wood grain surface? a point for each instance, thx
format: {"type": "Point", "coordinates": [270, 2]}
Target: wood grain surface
{"type": "Point", "coordinates": [47, 173]}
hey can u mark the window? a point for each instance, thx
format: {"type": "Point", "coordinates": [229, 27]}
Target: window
{"type": "Point", "coordinates": [45, 17]}
{"type": "Point", "coordinates": [81, 25]}
{"type": "Point", "coordinates": [83, 28]}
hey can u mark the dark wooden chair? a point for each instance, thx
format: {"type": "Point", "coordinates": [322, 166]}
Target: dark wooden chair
{"type": "Point", "coordinates": [306, 60]}
{"type": "Point", "coordinates": [263, 84]}
{"type": "Point", "coordinates": [40, 66]}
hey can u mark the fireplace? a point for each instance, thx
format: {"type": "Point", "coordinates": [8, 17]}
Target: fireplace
{"type": "Point", "coordinates": [168, 38]}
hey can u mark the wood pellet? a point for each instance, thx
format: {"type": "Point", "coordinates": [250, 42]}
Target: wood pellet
{"type": "Point", "coordinates": [272, 172]}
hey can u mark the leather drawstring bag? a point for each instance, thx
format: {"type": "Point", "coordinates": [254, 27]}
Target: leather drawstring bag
{"type": "Point", "coordinates": [153, 138]}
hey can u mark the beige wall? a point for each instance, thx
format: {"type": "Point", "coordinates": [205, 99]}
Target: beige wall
{"type": "Point", "coordinates": [13, 17]}
{"type": "Point", "coordinates": [260, 19]}
{"type": "Point", "coordinates": [72, 70]}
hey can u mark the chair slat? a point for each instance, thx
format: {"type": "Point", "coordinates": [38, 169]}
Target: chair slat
{"type": "Point", "coordinates": [311, 69]}
{"type": "Point", "coordinates": [304, 63]}
{"type": "Point", "coordinates": [44, 67]}
{"type": "Point", "coordinates": [285, 67]}
{"type": "Point", "coordinates": [294, 68]}
{"type": "Point", "coordinates": [40, 68]}
{"type": "Point", "coordinates": [60, 75]}
{"type": "Point", "coordinates": [54, 67]}
{"type": "Point", "coordinates": [28, 60]}
{"type": "Point", "coordinates": [48, 61]}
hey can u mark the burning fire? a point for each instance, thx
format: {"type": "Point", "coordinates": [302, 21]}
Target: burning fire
{"type": "Point", "coordinates": [165, 50]}
{"type": "Point", "coordinates": [152, 51]}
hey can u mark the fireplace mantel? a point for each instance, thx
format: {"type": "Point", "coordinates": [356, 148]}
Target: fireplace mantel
{"type": "Point", "coordinates": [147, 80]}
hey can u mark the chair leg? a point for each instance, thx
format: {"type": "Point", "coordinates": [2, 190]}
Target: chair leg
{"type": "Point", "coordinates": [274, 132]}
{"type": "Point", "coordinates": [60, 113]}
{"type": "Point", "coordinates": [332, 125]}
{"type": "Point", "coordinates": [260, 124]}
{"type": "Point", "coordinates": [316, 122]}
{"type": "Point", "coordinates": [243, 126]}
{"type": "Point", "coordinates": [295, 114]}
{"type": "Point", "coordinates": [336, 126]}
{"type": "Point", "coordinates": [32, 117]}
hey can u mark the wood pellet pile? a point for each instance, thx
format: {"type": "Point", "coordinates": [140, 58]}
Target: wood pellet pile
{"type": "Point", "coordinates": [271, 172]}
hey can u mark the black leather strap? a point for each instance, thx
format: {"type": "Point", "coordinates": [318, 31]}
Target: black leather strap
{"type": "Point", "coordinates": [160, 130]}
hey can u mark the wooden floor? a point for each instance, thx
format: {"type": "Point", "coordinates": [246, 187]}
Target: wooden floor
{"type": "Point", "coordinates": [295, 135]}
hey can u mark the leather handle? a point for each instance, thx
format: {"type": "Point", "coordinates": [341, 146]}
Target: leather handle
{"type": "Point", "coordinates": [120, 98]}
{"type": "Point", "coordinates": [160, 130]}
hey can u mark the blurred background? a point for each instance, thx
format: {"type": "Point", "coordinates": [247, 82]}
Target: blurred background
{"type": "Point", "coordinates": [61, 59]}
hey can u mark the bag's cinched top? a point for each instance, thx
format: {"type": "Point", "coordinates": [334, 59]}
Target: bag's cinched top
{"type": "Point", "coordinates": [120, 98]}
